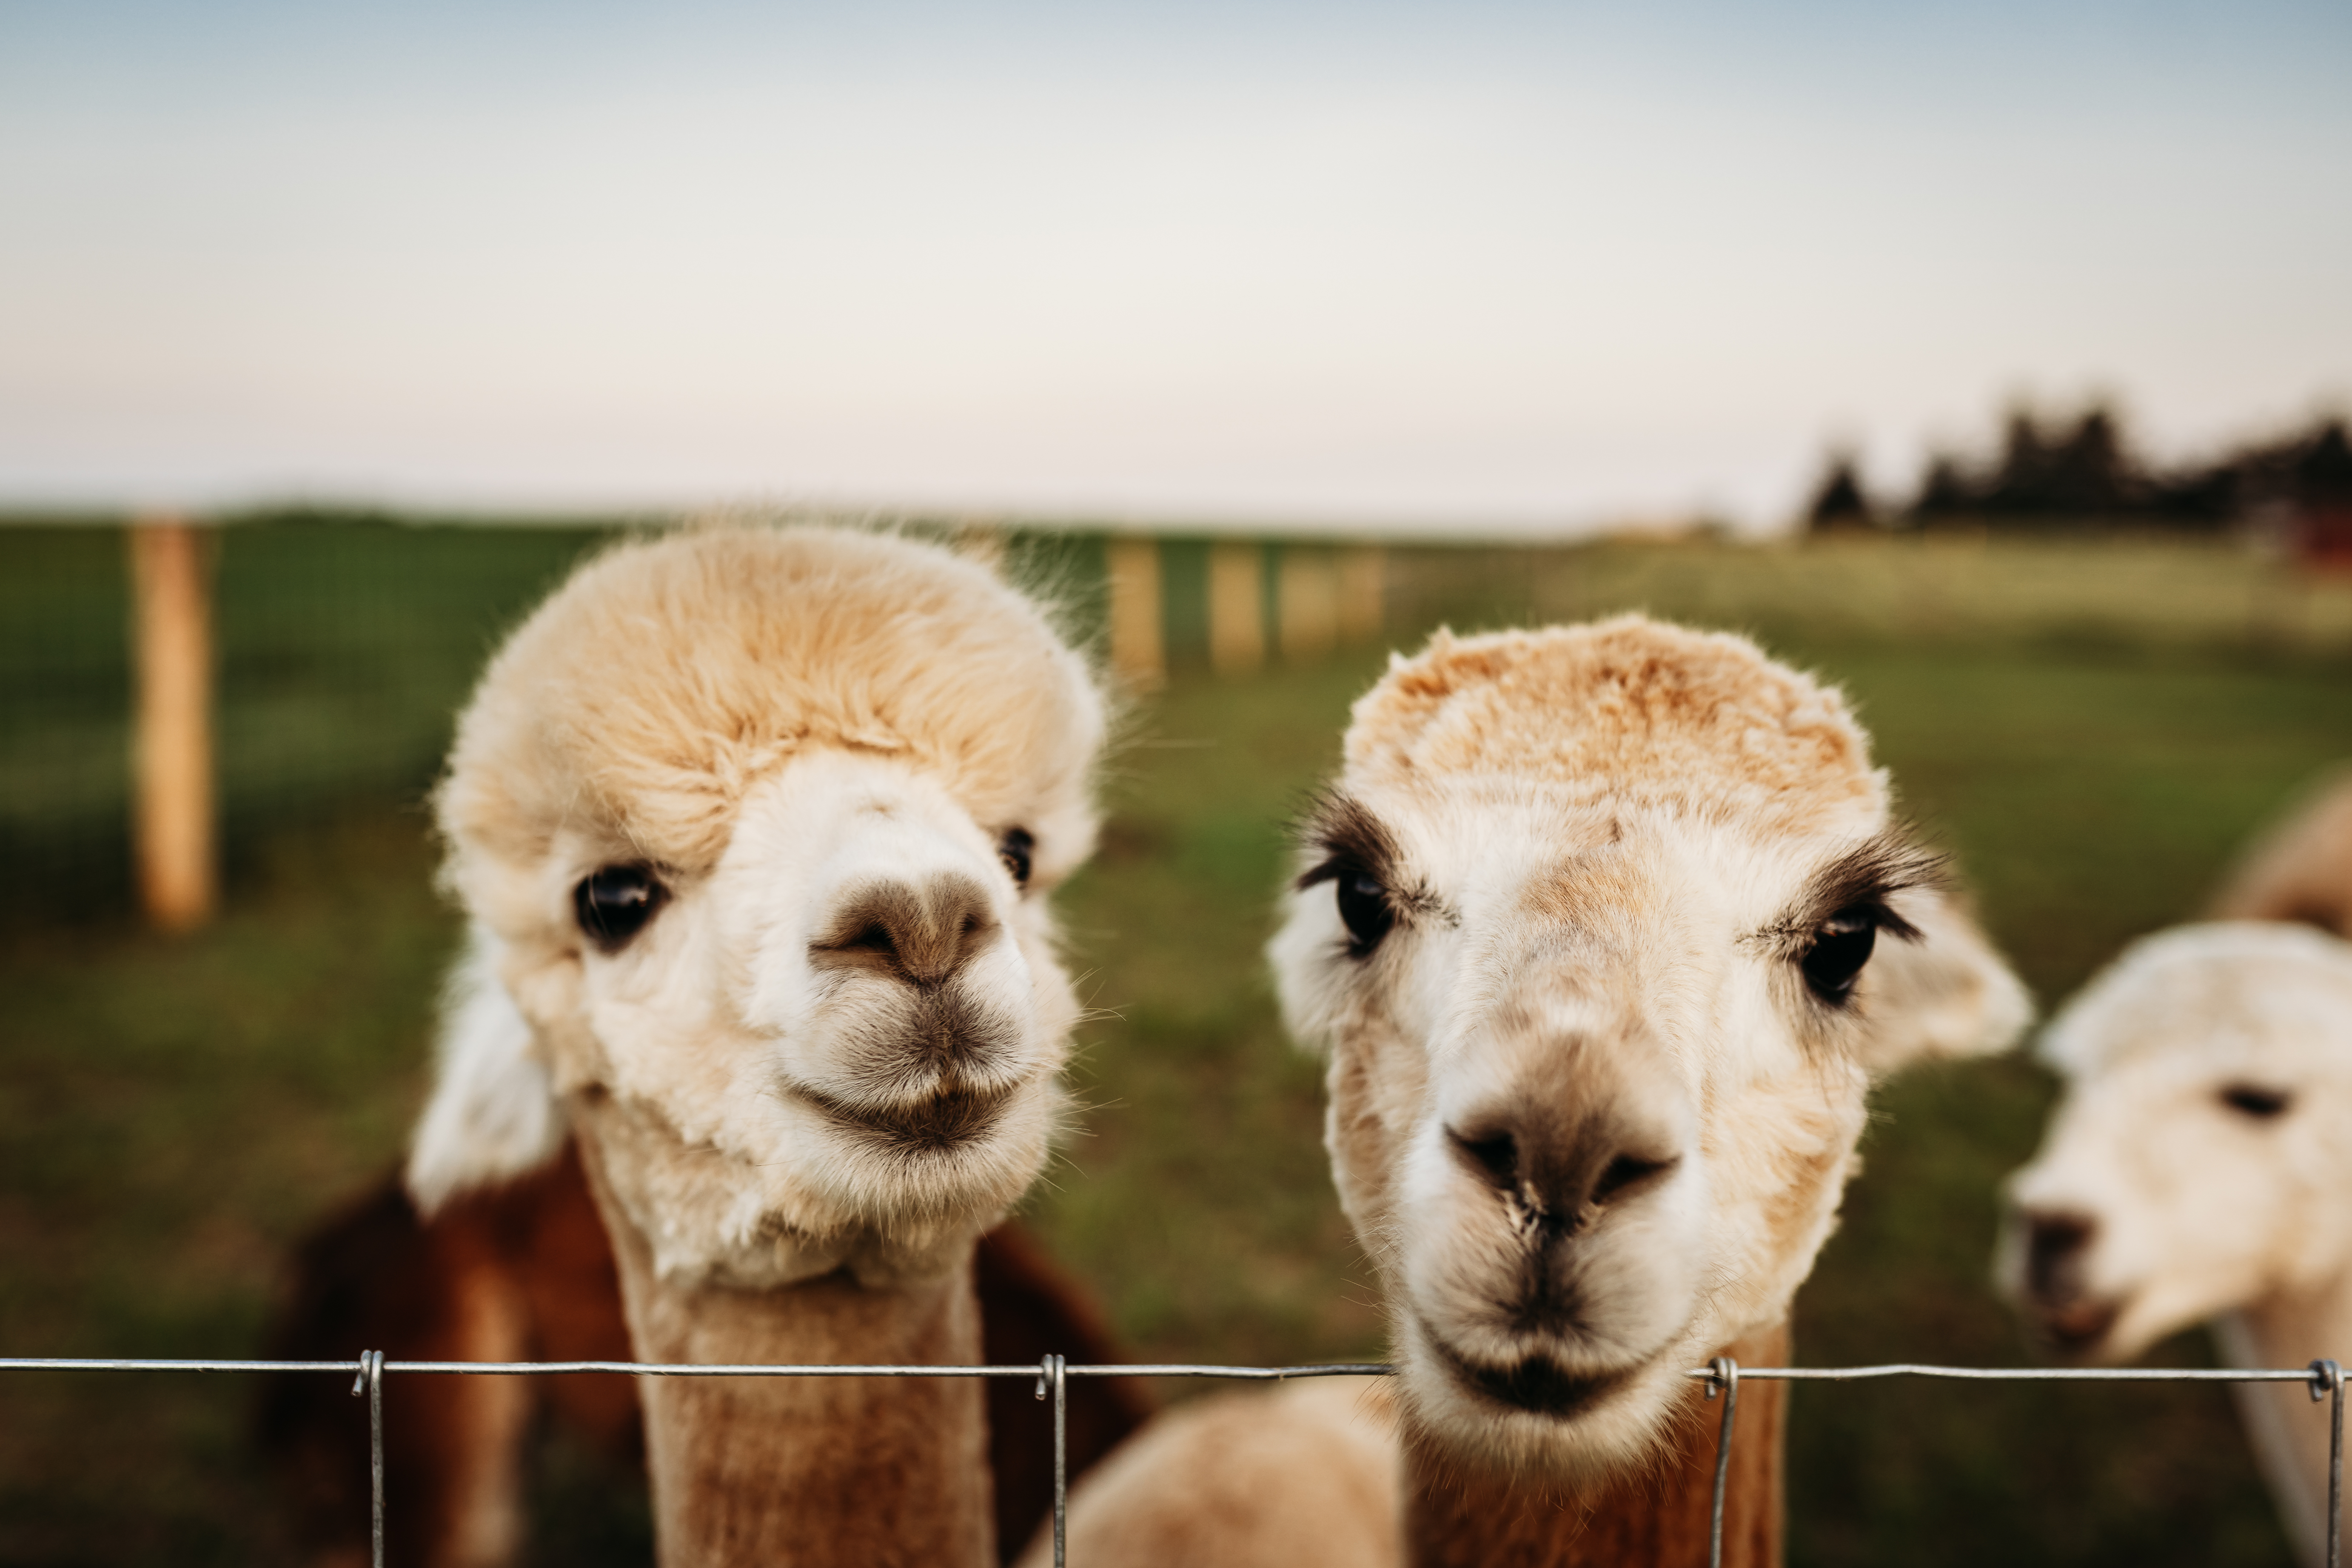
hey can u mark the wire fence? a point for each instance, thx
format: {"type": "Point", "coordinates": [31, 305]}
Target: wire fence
{"type": "Point", "coordinates": [1722, 1378]}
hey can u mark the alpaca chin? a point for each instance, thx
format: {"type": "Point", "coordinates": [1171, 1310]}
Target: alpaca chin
{"type": "Point", "coordinates": [1603, 1419]}
{"type": "Point", "coordinates": [910, 1176]}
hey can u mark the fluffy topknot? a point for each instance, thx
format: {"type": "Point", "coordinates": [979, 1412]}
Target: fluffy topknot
{"type": "Point", "coordinates": [1644, 711]}
{"type": "Point", "coordinates": [638, 703]}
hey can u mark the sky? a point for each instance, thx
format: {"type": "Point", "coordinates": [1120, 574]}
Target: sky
{"type": "Point", "coordinates": [1485, 266]}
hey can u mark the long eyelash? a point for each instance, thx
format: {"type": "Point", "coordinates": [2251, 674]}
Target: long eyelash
{"type": "Point", "coordinates": [1869, 876]}
{"type": "Point", "coordinates": [1347, 836]}
{"type": "Point", "coordinates": [1892, 924]}
{"type": "Point", "coordinates": [1333, 867]}
{"type": "Point", "coordinates": [1863, 881]}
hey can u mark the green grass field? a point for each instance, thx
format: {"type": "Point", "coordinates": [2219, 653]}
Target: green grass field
{"type": "Point", "coordinates": [2093, 728]}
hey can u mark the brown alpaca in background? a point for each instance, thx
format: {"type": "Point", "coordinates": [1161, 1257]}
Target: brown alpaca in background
{"type": "Point", "coordinates": [522, 1272]}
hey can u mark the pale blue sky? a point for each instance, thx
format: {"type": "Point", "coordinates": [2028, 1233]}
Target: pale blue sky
{"type": "Point", "coordinates": [1503, 264]}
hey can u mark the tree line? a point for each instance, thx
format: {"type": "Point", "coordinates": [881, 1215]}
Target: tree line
{"type": "Point", "coordinates": [2079, 472]}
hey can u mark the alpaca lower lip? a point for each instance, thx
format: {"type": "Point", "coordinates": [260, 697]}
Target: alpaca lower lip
{"type": "Point", "coordinates": [943, 1122]}
{"type": "Point", "coordinates": [1536, 1384]}
{"type": "Point", "coordinates": [2079, 1327]}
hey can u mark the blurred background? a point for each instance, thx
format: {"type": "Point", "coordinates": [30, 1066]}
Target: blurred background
{"type": "Point", "coordinates": [1990, 360]}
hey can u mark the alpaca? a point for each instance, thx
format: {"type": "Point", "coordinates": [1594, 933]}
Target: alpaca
{"type": "Point", "coordinates": [2301, 869]}
{"type": "Point", "coordinates": [2196, 1171]}
{"type": "Point", "coordinates": [522, 1271]}
{"type": "Point", "coordinates": [755, 829]}
{"type": "Point", "coordinates": [1607, 931]}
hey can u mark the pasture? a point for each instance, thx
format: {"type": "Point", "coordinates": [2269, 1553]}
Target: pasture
{"type": "Point", "coordinates": [2093, 728]}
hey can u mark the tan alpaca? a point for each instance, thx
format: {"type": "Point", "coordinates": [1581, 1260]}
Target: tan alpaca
{"type": "Point", "coordinates": [755, 829]}
{"type": "Point", "coordinates": [1607, 931]}
{"type": "Point", "coordinates": [2197, 1171]}
{"type": "Point", "coordinates": [2300, 870]}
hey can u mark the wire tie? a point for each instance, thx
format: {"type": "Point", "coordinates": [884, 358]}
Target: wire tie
{"type": "Point", "coordinates": [1723, 1373]}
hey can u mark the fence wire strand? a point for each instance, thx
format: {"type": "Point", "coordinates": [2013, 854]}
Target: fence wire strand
{"type": "Point", "coordinates": [2324, 1379]}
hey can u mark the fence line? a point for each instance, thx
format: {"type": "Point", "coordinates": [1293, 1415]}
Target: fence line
{"type": "Point", "coordinates": [2324, 1378]}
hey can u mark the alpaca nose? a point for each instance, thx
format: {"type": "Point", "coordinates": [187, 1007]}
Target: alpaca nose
{"type": "Point", "coordinates": [2057, 1246]}
{"type": "Point", "coordinates": [1558, 1175]}
{"type": "Point", "coordinates": [921, 932]}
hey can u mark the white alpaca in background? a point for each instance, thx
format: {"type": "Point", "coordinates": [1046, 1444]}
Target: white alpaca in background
{"type": "Point", "coordinates": [2200, 1169]}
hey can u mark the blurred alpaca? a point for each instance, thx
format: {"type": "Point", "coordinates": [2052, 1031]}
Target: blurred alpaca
{"type": "Point", "coordinates": [2198, 1167]}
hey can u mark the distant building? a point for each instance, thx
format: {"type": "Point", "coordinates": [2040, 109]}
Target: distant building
{"type": "Point", "coordinates": [2319, 490]}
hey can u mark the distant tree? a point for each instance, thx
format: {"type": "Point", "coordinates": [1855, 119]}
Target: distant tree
{"type": "Point", "coordinates": [2321, 471]}
{"type": "Point", "coordinates": [2084, 473]}
{"type": "Point", "coordinates": [2203, 497]}
{"type": "Point", "coordinates": [1839, 500]}
{"type": "Point", "coordinates": [2076, 473]}
{"type": "Point", "coordinates": [2022, 475]}
{"type": "Point", "coordinates": [1946, 490]}
{"type": "Point", "coordinates": [2090, 473]}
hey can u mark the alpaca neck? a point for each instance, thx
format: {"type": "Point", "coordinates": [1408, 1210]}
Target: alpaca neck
{"type": "Point", "coordinates": [1659, 1514]}
{"type": "Point", "coordinates": [809, 1472]}
{"type": "Point", "coordinates": [2288, 1430]}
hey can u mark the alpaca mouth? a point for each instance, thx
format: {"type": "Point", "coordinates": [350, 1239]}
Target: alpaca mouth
{"type": "Point", "coordinates": [1535, 1383]}
{"type": "Point", "coordinates": [2075, 1329]}
{"type": "Point", "coordinates": [940, 1125]}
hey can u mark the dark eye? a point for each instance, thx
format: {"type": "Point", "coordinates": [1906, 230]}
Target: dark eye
{"type": "Point", "coordinates": [2250, 1100]}
{"type": "Point", "coordinates": [614, 903]}
{"type": "Point", "coordinates": [1015, 850]}
{"type": "Point", "coordinates": [1364, 907]}
{"type": "Point", "coordinates": [1842, 945]}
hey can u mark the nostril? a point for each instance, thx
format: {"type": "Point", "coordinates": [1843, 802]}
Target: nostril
{"type": "Point", "coordinates": [1628, 1171]}
{"type": "Point", "coordinates": [2055, 1245]}
{"type": "Point", "coordinates": [1492, 1156]}
{"type": "Point", "coordinates": [920, 932]}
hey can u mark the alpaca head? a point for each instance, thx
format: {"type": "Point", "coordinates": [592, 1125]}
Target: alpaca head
{"type": "Point", "coordinates": [758, 827]}
{"type": "Point", "coordinates": [2199, 1160]}
{"type": "Point", "coordinates": [1607, 932]}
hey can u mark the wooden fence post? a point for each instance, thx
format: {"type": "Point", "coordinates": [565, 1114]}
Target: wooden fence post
{"type": "Point", "coordinates": [1308, 603]}
{"type": "Point", "coordinates": [1236, 606]}
{"type": "Point", "coordinates": [1139, 646]}
{"type": "Point", "coordinates": [1363, 592]}
{"type": "Point", "coordinates": [172, 829]}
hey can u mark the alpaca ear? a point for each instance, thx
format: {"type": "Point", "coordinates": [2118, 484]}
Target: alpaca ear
{"type": "Point", "coordinates": [1943, 994]}
{"type": "Point", "coordinates": [493, 1115]}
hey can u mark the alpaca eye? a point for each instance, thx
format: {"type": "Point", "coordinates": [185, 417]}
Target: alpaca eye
{"type": "Point", "coordinates": [613, 904]}
{"type": "Point", "coordinates": [1842, 945]}
{"type": "Point", "coordinates": [1364, 907]}
{"type": "Point", "coordinates": [1015, 850]}
{"type": "Point", "coordinates": [2249, 1100]}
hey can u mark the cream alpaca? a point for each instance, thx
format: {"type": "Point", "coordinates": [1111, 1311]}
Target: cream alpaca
{"type": "Point", "coordinates": [2196, 1170]}
{"type": "Point", "coordinates": [1607, 931]}
{"type": "Point", "coordinates": [755, 829]}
